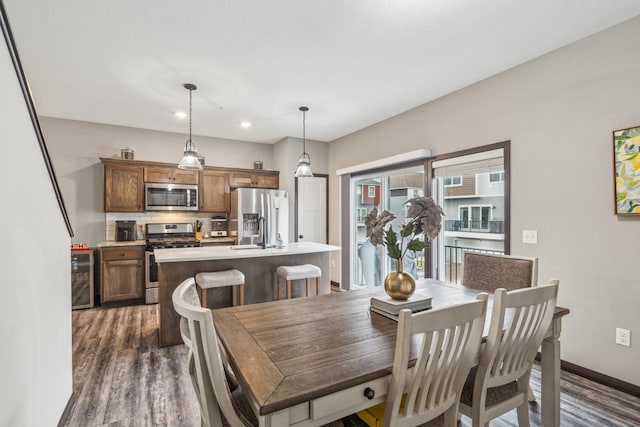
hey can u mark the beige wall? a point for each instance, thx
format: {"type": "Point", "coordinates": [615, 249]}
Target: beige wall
{"type": "Point", "coordinates": [558, 111]}
{"type": "Point", "coordinates": [35, 307]}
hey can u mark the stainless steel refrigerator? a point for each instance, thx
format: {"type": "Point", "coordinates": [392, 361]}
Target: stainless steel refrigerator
{"type": "Point", "coordinates": [256, 212]}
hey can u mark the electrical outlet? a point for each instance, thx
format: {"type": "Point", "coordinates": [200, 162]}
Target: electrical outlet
{"type": "Point", "coordinates": [530, 236]}
{"type": "Point", "coordinates": [623, 337]}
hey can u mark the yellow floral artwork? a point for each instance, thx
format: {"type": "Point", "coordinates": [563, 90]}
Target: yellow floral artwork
{"type": "Point", "coordinates": [626, 159]}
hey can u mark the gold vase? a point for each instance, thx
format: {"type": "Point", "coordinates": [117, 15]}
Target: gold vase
{"type": "Point", "coordinates": [398, 284]}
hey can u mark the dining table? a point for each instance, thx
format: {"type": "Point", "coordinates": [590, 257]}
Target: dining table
{"type": "Point", "coordinates": [311, 360]}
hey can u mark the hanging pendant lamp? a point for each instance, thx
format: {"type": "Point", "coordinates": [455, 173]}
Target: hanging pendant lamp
{"type": "Point", "coordinates": [190, 159]}
{"type": "Point", "coordinates": [304, 161]}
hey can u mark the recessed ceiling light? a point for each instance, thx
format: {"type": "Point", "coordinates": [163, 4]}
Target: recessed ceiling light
{"type": "Point", "coordinates": [180, 114]}
{"type": "Point", "coordinates": [245, 124]}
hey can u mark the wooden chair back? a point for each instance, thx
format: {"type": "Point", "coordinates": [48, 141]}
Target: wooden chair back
{"type": "Point", "coordinates": [519, 321]}
{"type": "Point", "coordinates": [509, 351]}
{"type": "Point", "coordinates": [205, 357]}
{"type": "Point", "coordinates": [489, 272]}
{"type": "Point", "coordinates": [450, 343]}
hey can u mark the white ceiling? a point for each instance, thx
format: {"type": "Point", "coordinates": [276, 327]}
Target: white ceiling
{"type": "Point", "coordinates": [353, 62]}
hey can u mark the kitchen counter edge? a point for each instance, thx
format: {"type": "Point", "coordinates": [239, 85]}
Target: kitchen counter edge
{"type": "Point", "coordinates": [114, 243]}
{"type": "Point", "coordinates": [225, 252]}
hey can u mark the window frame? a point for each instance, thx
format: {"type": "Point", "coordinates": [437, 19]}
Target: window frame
{"type": "Point", "coordinates": [505, 146]}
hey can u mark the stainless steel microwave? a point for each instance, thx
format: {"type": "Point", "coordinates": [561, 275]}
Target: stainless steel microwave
{"type": "Point", "coordinates": [170, 197]}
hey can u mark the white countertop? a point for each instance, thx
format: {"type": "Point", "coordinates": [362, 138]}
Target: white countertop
{"type": "Point", "coordinates": [225, 252]}
{"type": "Point", "coordinates": [114, 243]}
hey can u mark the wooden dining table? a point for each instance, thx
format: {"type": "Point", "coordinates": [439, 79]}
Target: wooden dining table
{"type": "Point", "coordinates": [309, 361]}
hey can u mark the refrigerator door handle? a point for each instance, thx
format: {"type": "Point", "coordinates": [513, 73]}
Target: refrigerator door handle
{"type": "Point", "coordinates": [269, 220]}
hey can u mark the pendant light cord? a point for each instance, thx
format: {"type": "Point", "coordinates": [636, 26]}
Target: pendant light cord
{"type": "Point", "coordinates": [304, 131]}
{"type": "Point", "coordinates": [190, 110]}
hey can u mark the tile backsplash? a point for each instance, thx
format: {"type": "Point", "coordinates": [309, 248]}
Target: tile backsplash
{"type": "Point", "coordinates": [142, 218]}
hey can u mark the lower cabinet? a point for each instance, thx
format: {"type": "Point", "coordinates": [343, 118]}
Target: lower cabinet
{"type": "Point", "coordinates": [122, 273]}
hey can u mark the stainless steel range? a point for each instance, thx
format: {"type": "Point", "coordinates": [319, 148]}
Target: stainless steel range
{"type": "Point", "coordinates": [161, 236]}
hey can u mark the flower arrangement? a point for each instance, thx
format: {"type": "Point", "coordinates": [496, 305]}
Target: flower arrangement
{"type": "Point", "coordinates": [426, 216]}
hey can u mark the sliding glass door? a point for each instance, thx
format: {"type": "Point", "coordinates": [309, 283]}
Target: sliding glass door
{"type": "Point", "coordinates": [388, 190]}
{"type": "Point", "coordinates": [473, 189]}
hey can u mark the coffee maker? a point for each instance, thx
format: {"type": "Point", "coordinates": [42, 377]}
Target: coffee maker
{"type": "Point", "coordinates": [125, 231]}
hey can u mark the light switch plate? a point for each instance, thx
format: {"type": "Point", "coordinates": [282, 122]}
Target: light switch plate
{"type": "Point", "coordinates": [530, 236]}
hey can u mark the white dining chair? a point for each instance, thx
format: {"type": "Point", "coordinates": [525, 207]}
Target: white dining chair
{"type": "Point", "coordinates": [217, 396]}
{"type": "Point", "coordinates": [501, 380]}
{"type": "Point", "coordinates": [450, 343]}
{"type": "Point", "coordinates": [489, 272]}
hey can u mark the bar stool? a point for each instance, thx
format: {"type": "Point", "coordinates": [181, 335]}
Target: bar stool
{"type": "Point", "coordinates": [298, 272]}
{"type": "Point", "coordinates": [218, 279]}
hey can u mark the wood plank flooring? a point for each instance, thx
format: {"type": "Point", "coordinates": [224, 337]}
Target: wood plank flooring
{"type": "Point", "coordinates": [122, 378]}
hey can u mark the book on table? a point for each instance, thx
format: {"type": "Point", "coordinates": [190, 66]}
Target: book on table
{"type": "Point", "coordinates": [390, 307]}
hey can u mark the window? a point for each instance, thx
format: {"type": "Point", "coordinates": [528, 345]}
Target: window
{"type": "Point", "coordinates": [496, 177]}
{"type": "Point", "coordinates": [477, 220]}
{"type": "Point", "coordinates": [452, 181]}
{"type": "Point", "coordinates": [474, 218]}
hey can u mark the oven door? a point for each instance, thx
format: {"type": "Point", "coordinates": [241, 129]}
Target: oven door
{"type": "Point", "coordinates": [150, 278]}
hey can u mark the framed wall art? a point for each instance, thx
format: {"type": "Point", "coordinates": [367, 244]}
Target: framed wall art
{"type": "Point", "coordinates": [626, 166]}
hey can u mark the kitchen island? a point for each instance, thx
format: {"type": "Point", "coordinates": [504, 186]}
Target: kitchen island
{"type": "Point", "coordinates": [258, 266]}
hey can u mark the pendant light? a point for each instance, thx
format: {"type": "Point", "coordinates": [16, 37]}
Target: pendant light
{"type": "Point", "coordinates": [304, 162]}
{"type": "Point", "coordinates": [190, 159]}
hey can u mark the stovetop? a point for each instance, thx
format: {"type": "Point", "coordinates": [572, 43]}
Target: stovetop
{"type": "Point", "coordinates": [174, 235]}
{"type": "Point", "coordinates": [163, 243]}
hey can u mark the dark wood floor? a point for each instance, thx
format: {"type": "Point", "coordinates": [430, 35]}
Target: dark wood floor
{"type": "Point", "coordinates": [122, 378]}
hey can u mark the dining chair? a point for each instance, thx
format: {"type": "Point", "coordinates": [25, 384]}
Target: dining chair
{"type": "Point", "coordinates": [217, 396]}
{"type": "Point", "coordinates": [489, 272]}
{"type": "Point", "coordinates": [450, 343]}
{"type": "Point", "coordinates": [500, 381]}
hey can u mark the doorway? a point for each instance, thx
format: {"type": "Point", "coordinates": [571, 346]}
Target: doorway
{"type": "Point", "coordinates": [312, 210]}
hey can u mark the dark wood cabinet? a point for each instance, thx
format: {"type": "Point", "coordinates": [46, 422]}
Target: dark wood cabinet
{"type": "Point", "coordinates": [214, 191]}
{"type": "Point", "coordinates": [123, 188]}
{"type": "Point", "coordinates": [124, 183]}
{"type": "Point", "coordinates": [263, 179]}
{"type": "Point", "coordinates": [170, 175]}
{"type": "Point", "coordinates": [121, 273]}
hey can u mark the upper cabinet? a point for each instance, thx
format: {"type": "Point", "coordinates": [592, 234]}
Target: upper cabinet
{"type": "Point", "coordinates": [170, 175]}
{"type": "Point", "coordinates": [262, 179]}
{"type": "Point", "coordinates": [124, 183]}
{"type": "Point", "coordinates": [214, 191]}
{"type": "Point", "coordinates": [123, 188]}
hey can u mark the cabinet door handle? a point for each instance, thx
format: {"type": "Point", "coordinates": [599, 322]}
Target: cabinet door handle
{"type": "Point", "coordinates": [369, 393]}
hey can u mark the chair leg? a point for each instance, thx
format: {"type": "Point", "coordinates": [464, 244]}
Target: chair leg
{"type": "Point", "coordinates": [530, 396]}
{"type": "Point", "coordinates": [288, 289]}
{"type": "Point", "coordinates": [242, 294]}
{"type": "Point", "coordinates": [203, 297]}
{"type": "Point", "coordinates": [308, 286]}
{"type": "Point", "coordinates": [523, 415]}
{"type": "Point", "coordinates": [317, 286]}
{"type": "Point", "coordinates": [234, 298]}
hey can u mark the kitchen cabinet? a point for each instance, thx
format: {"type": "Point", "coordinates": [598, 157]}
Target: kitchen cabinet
{"type": "Point", "coordinates": [264, 179]}
{"type": "Point", "coordinates": [124, 183]}
{"type": "Point", "coordinates": [170, 175]}
{"type": "Point", "coordinates": [214, 191]}
{"type": "Point", "coordinates": [122, 273]}
{"type": "Point", "coordinates": [123, 188]}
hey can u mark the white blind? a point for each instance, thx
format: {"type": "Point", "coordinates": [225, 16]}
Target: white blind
{"type": "Point", "coordinates": [486, 161]}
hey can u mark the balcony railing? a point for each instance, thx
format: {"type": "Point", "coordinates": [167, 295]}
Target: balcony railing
{"type": "Point", "coordinates": [454, 260]}
{"type": "Point", "coordinates": [475, 226]}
